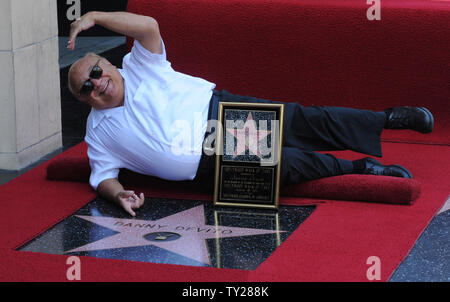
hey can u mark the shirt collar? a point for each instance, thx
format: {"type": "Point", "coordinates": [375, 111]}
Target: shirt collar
{"type": "Point", "coordinates": [99, 115]}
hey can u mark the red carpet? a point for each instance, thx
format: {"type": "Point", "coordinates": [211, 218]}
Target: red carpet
{"type": "Point", "coordinates": [332, 245]}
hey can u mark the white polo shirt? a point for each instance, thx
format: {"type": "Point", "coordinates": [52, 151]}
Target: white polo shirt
{"type": "Point", "coordinates": [160, 129]}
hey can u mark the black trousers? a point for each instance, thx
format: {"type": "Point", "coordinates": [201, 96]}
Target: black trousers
{"type": "Point", "coordinates": [307, 130]}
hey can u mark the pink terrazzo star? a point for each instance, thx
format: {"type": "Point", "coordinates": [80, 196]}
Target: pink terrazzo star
{"type": "Point", "coordinates": [183, 233]}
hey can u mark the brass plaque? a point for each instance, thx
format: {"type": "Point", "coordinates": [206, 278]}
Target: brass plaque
{"type": "Point", "coordinates": [248, 155]}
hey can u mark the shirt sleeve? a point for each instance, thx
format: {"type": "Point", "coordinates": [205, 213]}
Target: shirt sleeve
{"type": "Point", "coordinates": [103, 165]}
{"type": "Point", "coordinates": [144, 56]}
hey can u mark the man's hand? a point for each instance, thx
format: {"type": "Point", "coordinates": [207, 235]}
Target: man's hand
{"type": "Point", "coordinates": [85, 22]}
{"type": "Point", "coordinates": [129, 201]}
{"type": "Point", "coordinates": [112, 190]}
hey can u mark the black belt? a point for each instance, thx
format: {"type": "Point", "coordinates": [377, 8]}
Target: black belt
{"type": "Point", "coordinates": [214, 105]}
{"type": "Point", "coordinates": [207, 162]}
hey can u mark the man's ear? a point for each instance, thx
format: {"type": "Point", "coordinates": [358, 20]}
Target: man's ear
{"type": "Point", "coordinates": [92, 98]}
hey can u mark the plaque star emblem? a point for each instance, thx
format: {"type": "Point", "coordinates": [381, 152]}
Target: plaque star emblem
{"type": "Point", "coordinates": [183, 233]}
{"type": "Point", "coordinates": [248, 137]}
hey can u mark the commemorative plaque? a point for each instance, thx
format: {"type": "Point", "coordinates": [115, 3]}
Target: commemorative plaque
{"type": "Point", "coordinates": [248, 155]}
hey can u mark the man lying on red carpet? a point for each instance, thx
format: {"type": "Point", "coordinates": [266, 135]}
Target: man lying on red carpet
{"type": "Point", "coordinates": [135, 110]}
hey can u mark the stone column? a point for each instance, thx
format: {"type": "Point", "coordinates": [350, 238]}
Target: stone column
{"type": "Point", "coordinates": [30, 99]}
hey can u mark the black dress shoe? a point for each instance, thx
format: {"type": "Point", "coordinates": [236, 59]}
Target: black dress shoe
{"type": "Point", "coordinates": [374, 167]}
{"type": "Point", "coordinates": [414, 118]}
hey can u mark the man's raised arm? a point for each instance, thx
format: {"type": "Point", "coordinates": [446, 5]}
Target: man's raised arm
{"type": "Point", "coordinates": [142, 28]}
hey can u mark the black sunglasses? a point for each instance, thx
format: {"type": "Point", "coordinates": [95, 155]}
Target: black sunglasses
{"type": "Point", "coordinates": [88, 86]}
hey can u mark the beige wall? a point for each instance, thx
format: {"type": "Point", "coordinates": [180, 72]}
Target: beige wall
{"type": "Point", "coordinates": [30, 101]}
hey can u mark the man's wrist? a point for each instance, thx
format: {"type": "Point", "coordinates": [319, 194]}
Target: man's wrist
{"type": "Point", "coordinates": [111, 197]}
{"type": "Point", "coordinates": [93, 15]}
{"type": "Point", "coordinates": [116, 198]}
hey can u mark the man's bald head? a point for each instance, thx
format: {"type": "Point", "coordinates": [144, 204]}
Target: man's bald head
{"type": "Point", "coordinates": [108, 90]}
